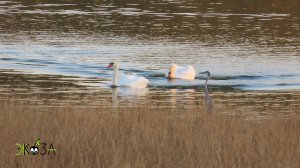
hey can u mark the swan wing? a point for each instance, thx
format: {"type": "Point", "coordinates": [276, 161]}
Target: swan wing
{"type": "Point", "coordinates": [185, 72]}
{"type": "Point", "coordinates": [133, 81]}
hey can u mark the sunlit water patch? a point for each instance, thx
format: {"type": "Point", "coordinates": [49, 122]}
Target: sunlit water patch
{"type": "Point", "coordinates": [236, 66]}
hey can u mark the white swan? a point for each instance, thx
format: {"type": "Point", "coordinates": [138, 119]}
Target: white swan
{"type": "Point", "coordinates": [126, 80]}
{"type": "Point", "coordinates": [181, 72]}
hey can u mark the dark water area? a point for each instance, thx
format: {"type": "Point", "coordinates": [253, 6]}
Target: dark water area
{"type": "Point", "coordinates": [179, 19]}
{"type": "Point", "coordinates": [59, 49]}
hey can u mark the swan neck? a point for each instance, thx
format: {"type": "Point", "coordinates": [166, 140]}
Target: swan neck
{"type": "Point", "coordinates": [115, 76]}
{"type": "Point", "coordinates": [172, 71]}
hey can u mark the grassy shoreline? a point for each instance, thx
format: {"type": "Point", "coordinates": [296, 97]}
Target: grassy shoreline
{"type": "Point", "coordinates": [146, 137]}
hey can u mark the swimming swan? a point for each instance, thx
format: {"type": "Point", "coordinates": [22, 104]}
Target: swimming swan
{"type": "Point", "coordinates": [181, 72]}
{"type": "Point", "coordinates": [126, 80]}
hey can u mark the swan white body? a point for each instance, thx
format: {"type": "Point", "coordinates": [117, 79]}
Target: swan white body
{"type": "Point", "coordinates": [132, 81]}
{"type": "Point", "coordinates": [181, 72]}
{"type": "Point", "coordinates": [127, 80]}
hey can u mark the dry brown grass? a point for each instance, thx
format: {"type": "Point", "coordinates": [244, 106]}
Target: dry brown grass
{"type": "Point", "coordinates": [146, 137]}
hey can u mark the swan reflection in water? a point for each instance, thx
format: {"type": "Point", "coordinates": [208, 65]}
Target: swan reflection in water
{"type": "Point", "coordinates": [127, 94]}
{"type": "Point", "coordinates": [207, 98]}
{"type": "Point", "coordinates": [134, 95]}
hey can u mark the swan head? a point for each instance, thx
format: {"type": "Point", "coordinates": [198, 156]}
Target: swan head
{"type": "Point", "coordinates": [172, 70]}
{"type": "Point", "coordinates": [113, 65]}
{"type": "Point", "coordinates": [207, 73]}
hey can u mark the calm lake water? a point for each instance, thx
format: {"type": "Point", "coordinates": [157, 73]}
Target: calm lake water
{"type": "Point", "coordinates": [251, 48]}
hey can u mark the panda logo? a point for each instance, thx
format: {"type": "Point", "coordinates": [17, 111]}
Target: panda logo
{"type": "Point", "coordinates": [34, 150]}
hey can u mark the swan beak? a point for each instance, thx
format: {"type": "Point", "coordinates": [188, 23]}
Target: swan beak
{"type": "Point", "coordinates": [109, 66]}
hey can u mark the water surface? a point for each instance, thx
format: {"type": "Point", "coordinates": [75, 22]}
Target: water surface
{"type": "Point", "coordinates": [251, 49]}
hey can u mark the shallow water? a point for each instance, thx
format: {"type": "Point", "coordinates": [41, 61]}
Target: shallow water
{"type": "Point", "coordinates": [250, 48]}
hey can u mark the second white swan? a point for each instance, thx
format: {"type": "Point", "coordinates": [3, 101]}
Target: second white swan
{"type": "Point", "coordinates": [181, 72]}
